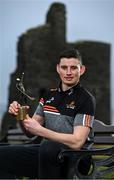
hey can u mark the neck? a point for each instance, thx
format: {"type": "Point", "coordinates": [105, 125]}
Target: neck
{"type": "Point", "coordinates": [66, 87]}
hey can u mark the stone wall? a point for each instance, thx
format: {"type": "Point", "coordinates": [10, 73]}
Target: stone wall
{"type": "Point", "coordinates": [37, 53]}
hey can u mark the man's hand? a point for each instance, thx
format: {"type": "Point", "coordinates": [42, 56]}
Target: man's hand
{"type": "Point", "coordinates": [32, 125]}
{"type": "Point", "coordinates": [14, 107]}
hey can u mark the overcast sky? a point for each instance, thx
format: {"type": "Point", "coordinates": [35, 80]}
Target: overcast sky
{"type": "Point", "coordinates": [86, 20]}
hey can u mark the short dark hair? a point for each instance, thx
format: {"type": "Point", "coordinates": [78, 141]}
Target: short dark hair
{"type": "Point", "coordinates": [71, 53]}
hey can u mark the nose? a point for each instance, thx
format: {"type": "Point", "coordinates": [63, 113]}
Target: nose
{"type": "Point", "coordinates": [68, 71]}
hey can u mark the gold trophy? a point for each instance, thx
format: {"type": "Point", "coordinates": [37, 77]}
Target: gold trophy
{"type": "Point", "coordinates": [23, 111]}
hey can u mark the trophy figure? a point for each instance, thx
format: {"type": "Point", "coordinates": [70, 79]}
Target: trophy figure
{"type": "Point", "coordinates": [23, 111]}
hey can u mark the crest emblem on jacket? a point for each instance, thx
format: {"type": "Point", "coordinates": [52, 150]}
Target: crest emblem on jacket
{"type": "Point", "coordinates": [71, 105]}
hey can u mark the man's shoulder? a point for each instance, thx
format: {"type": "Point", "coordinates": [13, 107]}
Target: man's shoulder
{"type": "Point", "coordinates": [86, 93]}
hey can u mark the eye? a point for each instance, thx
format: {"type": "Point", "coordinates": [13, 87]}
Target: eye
{"type": "Point", "coordinates": [74, 67]}
{"type": "Point", "coordinates": [64, 67]}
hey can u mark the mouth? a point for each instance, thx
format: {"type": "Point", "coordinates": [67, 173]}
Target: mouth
{"type": "Point", "coordinates": [68, 78]}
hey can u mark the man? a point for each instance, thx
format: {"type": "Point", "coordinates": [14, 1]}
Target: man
{"type": "Point", "coordinates": [64, 118]}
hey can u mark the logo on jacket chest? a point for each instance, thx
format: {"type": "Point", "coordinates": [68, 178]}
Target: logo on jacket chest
{"type": "Point", "coordinates": [71, 105]}
{"type": "Point", "coordinates": [50, 100]}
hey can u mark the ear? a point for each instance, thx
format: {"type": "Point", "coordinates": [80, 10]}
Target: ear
{"type": "Point", "coordinates": [57, 68]}
{"type": "Point", "coordinates": [82, 70]}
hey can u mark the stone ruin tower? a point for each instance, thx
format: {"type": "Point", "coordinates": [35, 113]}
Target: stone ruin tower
{"type": "Point", "coordinates": [37, 52]}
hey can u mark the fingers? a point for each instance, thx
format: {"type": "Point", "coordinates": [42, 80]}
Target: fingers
{"type": "Point", "coordinates": [26, 123]}
{"type": "Point", "coordinates": [14, 107]}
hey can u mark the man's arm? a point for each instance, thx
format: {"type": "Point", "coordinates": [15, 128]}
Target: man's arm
{"type": "Point", "coordinates": [74, 141]}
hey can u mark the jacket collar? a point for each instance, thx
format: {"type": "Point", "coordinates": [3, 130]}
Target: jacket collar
{"type": "Point", "coordinates": [69, 91]}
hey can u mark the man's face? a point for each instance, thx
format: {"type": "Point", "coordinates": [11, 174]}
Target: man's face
{"type": "Point", "coordinates": [70, 70]}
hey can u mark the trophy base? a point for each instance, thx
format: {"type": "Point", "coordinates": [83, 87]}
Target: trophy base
{"type": "Point", "coordinates": [22, 112]}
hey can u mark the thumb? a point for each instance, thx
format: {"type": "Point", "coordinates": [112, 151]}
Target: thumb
{"type": "Point", "coordinates": [28, 107]}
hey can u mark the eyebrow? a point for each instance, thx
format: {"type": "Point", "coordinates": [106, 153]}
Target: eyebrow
{"type": "Point", "coordinates": [70, 65]}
